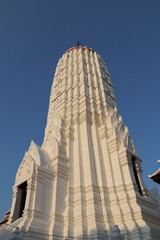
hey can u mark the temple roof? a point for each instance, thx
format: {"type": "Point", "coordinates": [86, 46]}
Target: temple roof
{"type": "Point", "coordinates": [6, 218]}
{"type": "Point", "coordinates": [155, 176]}
{"type": "Point", "coordinates": [40, 156]}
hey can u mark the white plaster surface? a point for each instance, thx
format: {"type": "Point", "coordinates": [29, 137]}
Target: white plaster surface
{"type": "Point", "coordinates": [80, 182]}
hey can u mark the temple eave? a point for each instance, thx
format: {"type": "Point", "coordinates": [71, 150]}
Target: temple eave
{"type": "Point", "coordinates": [155, 176]}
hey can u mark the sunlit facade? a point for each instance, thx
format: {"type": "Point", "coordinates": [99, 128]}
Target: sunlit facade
{"type": "Point", "coordinates": [86, 177]}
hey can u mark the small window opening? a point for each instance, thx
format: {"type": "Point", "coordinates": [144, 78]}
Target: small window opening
{"type": "Point", "coordinates": [20, 201]}
{"type": "Point", "coordinates": [23, 193]}
{"type": "Point", "coordinates": [136, 175]}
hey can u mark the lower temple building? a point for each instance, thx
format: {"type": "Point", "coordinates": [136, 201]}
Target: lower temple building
{"type": "Point", "coordinates": [86, 177]}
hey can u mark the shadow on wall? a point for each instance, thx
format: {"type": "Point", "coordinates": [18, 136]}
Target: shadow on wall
{"type": "Point", "coordinates": [114, 234]}
{"type": "Point", "coordinates": [6, 233]}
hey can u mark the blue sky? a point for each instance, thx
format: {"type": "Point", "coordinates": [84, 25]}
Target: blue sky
{"type": "Point", "coordinates": [33, 36]}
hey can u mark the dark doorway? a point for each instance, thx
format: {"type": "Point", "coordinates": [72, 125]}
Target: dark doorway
{"type": "Point", "coordinates": [22, 189]}
{"type": "Point", "coordinates": [136, 175]}
{"type": "Point", "coordinates": [20, 201]}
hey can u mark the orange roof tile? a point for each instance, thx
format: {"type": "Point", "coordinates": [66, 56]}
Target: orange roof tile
{"type": "Point", "coordinates": [5, 219]}
{"type": "Point", "coordinates": [155, 173]}
{"type": "Point", "coordinates": [156, 176]}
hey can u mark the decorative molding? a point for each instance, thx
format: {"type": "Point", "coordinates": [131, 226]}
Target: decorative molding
{"type": "Point", "coordinates": [25, 170]}
{"type": "Point", "coordinates": [125, 157]}
{"type": "Point", "coordinates": [112, 144]}
{"type": "Point", "coordinates": [52, 133]}
{"type": "Point", "coordinates": [121, 131]}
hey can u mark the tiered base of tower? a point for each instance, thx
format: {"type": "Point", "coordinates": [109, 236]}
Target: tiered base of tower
{"type": "Point", "coordinates": [86, 177]}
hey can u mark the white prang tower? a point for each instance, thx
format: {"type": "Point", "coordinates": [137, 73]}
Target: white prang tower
{"type": "Point", "coordinates": [86, 177]}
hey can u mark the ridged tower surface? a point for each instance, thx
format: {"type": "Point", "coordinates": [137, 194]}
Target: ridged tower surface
{"type": "Point", "coordinates": [86, 177]}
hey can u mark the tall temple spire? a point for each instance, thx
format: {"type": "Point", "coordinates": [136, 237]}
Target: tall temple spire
{"type": "Point", "coordinates": [86, 177]}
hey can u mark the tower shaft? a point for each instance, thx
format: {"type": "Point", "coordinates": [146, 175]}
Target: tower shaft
{"type": "Point", "coordinates": [86, 177]}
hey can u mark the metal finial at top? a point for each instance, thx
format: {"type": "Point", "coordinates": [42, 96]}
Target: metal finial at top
{"type": "Point", "coordinates": [78, 43]}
